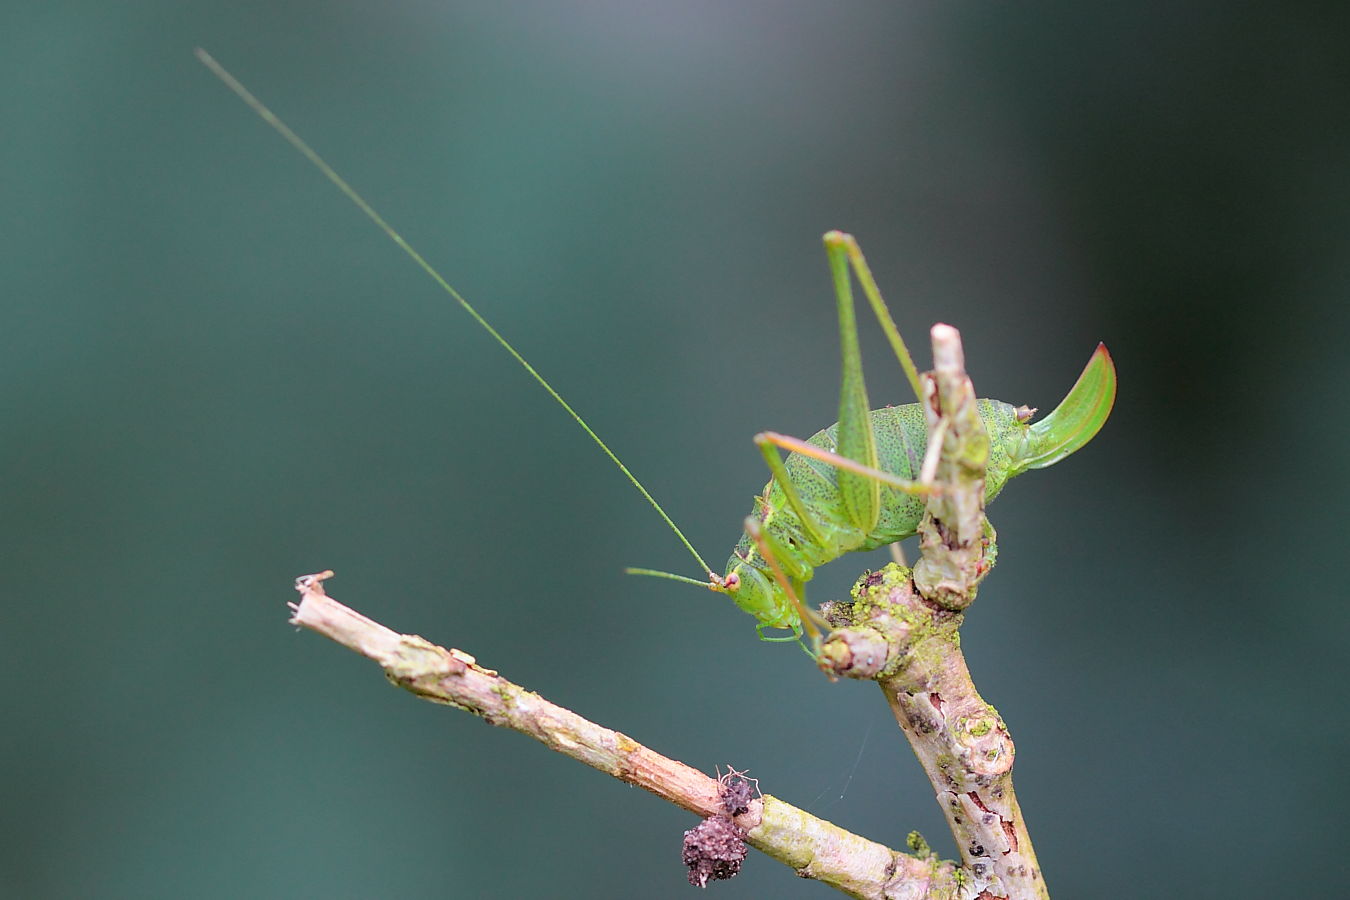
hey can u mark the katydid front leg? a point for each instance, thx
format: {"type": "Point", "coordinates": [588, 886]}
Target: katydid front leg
{"type": "Point", "coordinates": [793, 588]}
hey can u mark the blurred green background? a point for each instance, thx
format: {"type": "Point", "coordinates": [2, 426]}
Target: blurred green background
{"type": "Point", "coordinates": [217, 377]}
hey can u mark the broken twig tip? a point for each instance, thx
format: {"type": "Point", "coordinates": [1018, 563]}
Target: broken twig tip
{"type": "Point", "coordinates": [309, 586]}
{"type": "Point", "coordinates": [313, 584]}
{"type": "Point", "coordinates": [943, 332]}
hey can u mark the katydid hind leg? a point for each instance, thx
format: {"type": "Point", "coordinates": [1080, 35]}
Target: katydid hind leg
{"type": "Point", "coordinates": [880, 309]}
{"type": "Point", "coordinates": [861, 496]}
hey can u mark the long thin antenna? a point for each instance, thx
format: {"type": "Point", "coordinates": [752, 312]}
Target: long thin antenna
{"type": "Point", "coordinates": [653, 573]}
{"type": "Point", "coordinates": [305, 150]}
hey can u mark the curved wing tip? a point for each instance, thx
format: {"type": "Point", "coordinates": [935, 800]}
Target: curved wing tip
{"type": "Point", "coordinates": [1078, 417]}
{"type": "Point", "coordinates": [1105, 356]}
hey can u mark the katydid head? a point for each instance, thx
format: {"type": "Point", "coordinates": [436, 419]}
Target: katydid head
{"type": "Point", "coordinates": [1079, 416]}
{"type": "Point", "coordinates": [747, 586]}
{"type": "Point", "coordinates": [754, 592]}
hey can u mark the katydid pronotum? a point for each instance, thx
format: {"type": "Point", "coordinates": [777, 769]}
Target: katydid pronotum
{"type": "Point", "coordinates": [856, 485]}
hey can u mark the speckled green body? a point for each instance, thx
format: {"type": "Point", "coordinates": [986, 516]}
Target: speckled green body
{"type": "Point", "coordinates": [901, 439]}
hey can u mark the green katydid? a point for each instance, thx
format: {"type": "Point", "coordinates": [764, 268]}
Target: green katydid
{"type": "Point", "coordinates": [854, 486]}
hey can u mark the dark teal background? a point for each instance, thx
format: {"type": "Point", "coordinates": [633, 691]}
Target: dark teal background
{"type": "Point", "coordinates": [216, 376]}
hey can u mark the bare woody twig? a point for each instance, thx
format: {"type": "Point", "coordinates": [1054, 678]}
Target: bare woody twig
{"type": "Point", "coordinates": [813, 847]}
{"type": "Point", "coordinates": [902, 631]}
{"type": "Point", "coordinates": [954, 537]}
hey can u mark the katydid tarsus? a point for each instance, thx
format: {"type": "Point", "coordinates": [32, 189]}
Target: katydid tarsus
{"type": "Point", "coordinates": [854, 486]}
